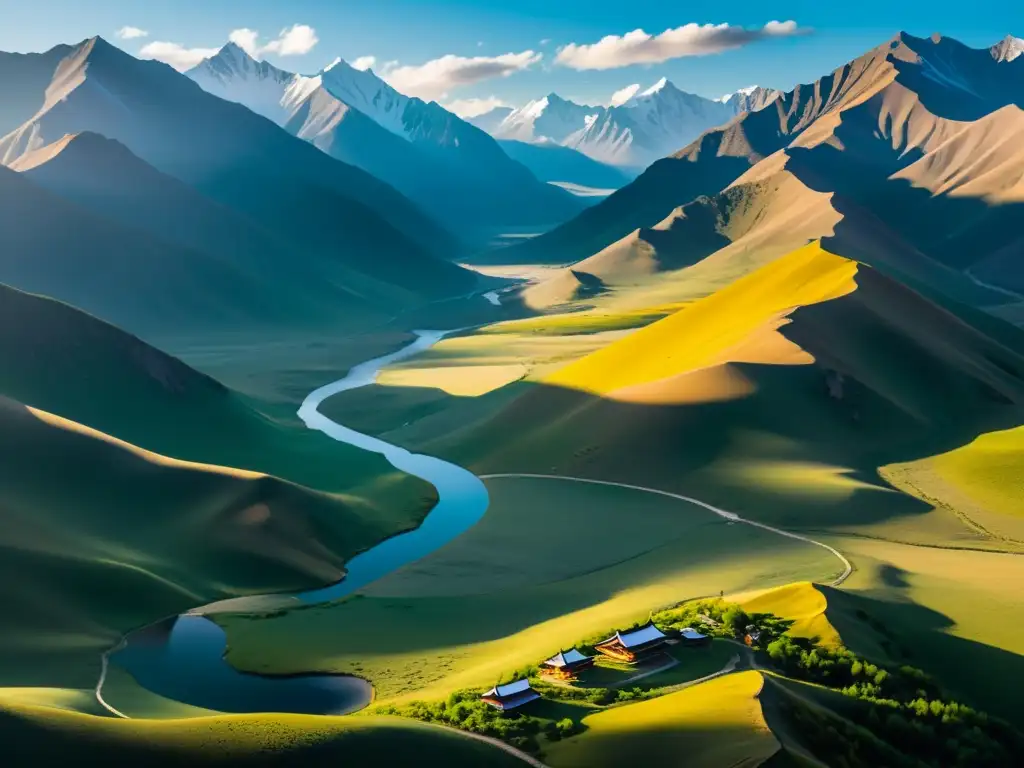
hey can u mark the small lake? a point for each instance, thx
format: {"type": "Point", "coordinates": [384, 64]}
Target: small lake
{"type": "Point", "coordinates": [183, 658]}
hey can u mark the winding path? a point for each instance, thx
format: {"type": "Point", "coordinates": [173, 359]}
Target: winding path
{"type": "Point", "coordinates": [730, 516]}
{"type": "Point", "coordinates": [104, 666]}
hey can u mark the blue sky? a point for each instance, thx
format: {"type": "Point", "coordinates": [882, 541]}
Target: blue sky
{"type": "Point", "coordinates": [414, 32]}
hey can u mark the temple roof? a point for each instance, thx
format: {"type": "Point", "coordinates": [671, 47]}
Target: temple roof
{"type": "Point", "coordinates": [691, 634]}
{"type": "Point", "coordinates": [565, 658]}
{"type": "Point", "coordinates": [641, 636]}
{"type": "Point", "coordinates": [501, 691]}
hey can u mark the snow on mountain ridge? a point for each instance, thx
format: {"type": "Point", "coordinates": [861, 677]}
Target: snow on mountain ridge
{"type": "Point", "coordinates": [1008, 49]}
{"type": "Point", "coordinates": [636, 129]}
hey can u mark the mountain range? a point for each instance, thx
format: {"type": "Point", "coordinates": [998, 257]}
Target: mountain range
{"type": "Point", "coordinates": [241, 223]}
{"type": "Point", "coordinates": [455, 171]}
{"type": "Point", "coordinates": [906, 158]}
{"type": "Point", "coordinates": [647, 126]}
{"type": "Point", "coordinates": [780, 346]}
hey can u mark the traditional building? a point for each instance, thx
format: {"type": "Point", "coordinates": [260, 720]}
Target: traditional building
{"type": "Point", "coordinates": [629, 646]}
{"type": "Point", "coordinates": [567, 664]}
{"type": "Point", "coordinates": [690, 636]}
{"type": "Point", "coordinates": [511, 696]}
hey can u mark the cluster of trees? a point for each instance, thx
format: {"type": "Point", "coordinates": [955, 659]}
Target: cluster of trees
{"type": "Point", "coordinates": [601, 697]}
{"type": "Point", "coordinates": [903, 706]}
{"type": "Point", "coordinates": [465, 710]}
{"type": "Point", "coordinates": [874, 735]}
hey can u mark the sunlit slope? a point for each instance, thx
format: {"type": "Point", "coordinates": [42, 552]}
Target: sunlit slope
{"type": "Point", "coordinates": [802, 603]}
{"type": "Point", "coordinates": [982, 480]}
{"type": "Point", "coordinates": [51, 737]}
{"type": "Point", "coordinates": [715, 724]}
{"type": "Point", "coordinates": [779, 394]}
{"type": "Point", "coordinates": [100, 536]}
{"type": "Point", "coordinates": [718, 329]}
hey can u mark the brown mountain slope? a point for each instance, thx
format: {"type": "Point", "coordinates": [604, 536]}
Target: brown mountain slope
{"type": "Point", "coordinates": [880, 113]}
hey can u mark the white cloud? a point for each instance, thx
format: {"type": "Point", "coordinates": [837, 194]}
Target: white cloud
{"type": "Point", "coordinates": [623, 95]}
{"type": "Point", "coordinates": [246, 39]}
{"type": "Point", "coordinates": [435, 78]}
{"type": "Point", "coordinates": [545, 41]}
{"type": "Point", "coordinates": [131, 33]}
{"type": "Point", "coordinates": [467, 108]}
{"type": "Point", "coordinates": [364, 62]}
{"type": "Point", "coordinates": [296, 40]}
{"type": "Point", "coordinates": [639, 47]}
{"type": "Point", "coordinates": [178, 56]}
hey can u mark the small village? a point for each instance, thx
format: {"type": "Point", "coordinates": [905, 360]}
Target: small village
{"type": "Point", "coordinates": [639, 648]}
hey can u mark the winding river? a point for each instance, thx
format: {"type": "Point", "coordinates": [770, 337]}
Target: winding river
{"type": "Point", "coordinates": [183, 658]}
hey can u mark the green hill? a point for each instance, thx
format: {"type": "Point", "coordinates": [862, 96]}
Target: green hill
{"type": "Point", "coordinates": [782, 392]}
{"type": "Point", "coordinates": [154, 491]}
{"type": "Point", "coordinates": [52, 738]}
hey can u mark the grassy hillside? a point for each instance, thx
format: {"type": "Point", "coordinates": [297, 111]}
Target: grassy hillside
{"type": "Point", "coordinates": [67, 362]}
{"type": "Point", "coordinates": [101, 536]}
{"type": "Point", "coordinates": [785, 391]}
{"type": "Point", "coordinates": [715, 724]}
{"type": "Point", "coordinates": [154, 491]}
{"type": "Point", "coordinates": [949, 611]}
{"type": "Point", "coordinates": [980, 481]}
{"type": "Point", "coordinates": [802, 603]}
{"type": "Point", "coordinates": [513, 590]}
{"type": "Point", "coordinates": [51, 737]}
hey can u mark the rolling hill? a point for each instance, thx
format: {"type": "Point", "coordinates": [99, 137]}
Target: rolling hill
{"type": "Point", "coordinates": [155, 490]}
{"type": "Point", "coordinates": [792, 385]}
{"type": "Point", "coordinates": [448, 166]}
{"type": "Point", "coordinates": [64, 361]}
{"type": "Point", "coordinates": [338, 217]}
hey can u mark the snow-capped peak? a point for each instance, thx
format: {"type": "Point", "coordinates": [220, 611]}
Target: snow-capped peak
{"type": "Point", "coordinates": [534, 108]}
{"type": "Point", "coordinates": [658, 86]}
{"type": "Point", "coordinates": [1008, 49]}
{"type": "Point", "coordinates": [337, 60]}
{"type": "Point", "coordinates": [234, 75]}
{"type": "Point", "coordinates": [739, 92]}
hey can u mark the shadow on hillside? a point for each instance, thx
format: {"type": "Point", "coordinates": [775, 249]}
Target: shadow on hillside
{"type": "Point", "coordinates": [869, 402]}
{"type": "Point", "coordinates": [889, 627]}
{"type": "Point", "coordinates": [955, 232]}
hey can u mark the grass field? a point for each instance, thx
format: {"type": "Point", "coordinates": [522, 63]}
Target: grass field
{"type": "Point", "coordinates": [718, 723]}
{"type": "Point", "coordinates": [100, 536]}
{"type": "Point", "coordinates": [781, 397]}
{"type": "Point", "coordinates": [954, 613]}
{"type": "Point", "coordinates": [41, 736]}
{"type": "Point", "coordinates": [981, 480]}
{"type": "Point", "coordinates": [540, 572]}
{"type": "Point", "coordinates": [459, 382]}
